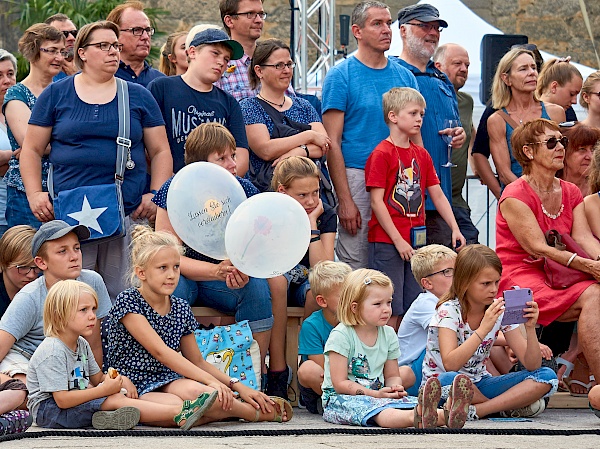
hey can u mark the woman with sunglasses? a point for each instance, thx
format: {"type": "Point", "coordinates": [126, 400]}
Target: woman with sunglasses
{"type": "Point", "coordinates": [44, 47]}
{"type": "Point", "coordinates": [514, 98]}
{"type": "Point", "coordinates": [79, 118]}
{"type": "Point", "coordinates": [529, 207]}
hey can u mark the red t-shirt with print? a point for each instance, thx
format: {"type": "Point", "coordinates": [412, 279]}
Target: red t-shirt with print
{"type": "Point", "coordinates": [404, 174]}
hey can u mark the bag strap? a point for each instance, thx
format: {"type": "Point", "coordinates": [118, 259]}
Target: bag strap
{"type": "Point", "coordinates": [507, 118]}
{"type": "Point", "coordinates": [123, 142]}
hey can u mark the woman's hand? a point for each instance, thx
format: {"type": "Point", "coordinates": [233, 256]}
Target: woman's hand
{"type": "Point", "coordinates": [257, 399]}
{"type": "Point", "coordinates": [225, 271]}
{"type": "Point", "coordinates": [532, 313]}
{"type": "Point", "coordinates": [320, 140]}
{"type": "Point", "coordinates": [225, 394]}
{"type": "Point", "coordinates": [458, 134]}
{"type": "Point", "coordinates": [40, 205]}
{"type": "Point", "coordinates": [491, 316]}
{"type": "Point", "coordinates": [146, 209]}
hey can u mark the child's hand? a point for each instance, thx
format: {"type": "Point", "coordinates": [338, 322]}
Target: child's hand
{"type": "Point", "coordinates": [316, 213]}
{"type": "Point", "coordinates": [404, 249]}
{"type": "Point", "coordinates": [394, 392]}
{"type": "Point", "coordinates": [458, 238]}
{"type": "Point", "coordinates": [546, 351]}
{"type": "Point", "coordinates": [112, 386]}
{"type": "Point", "coordinates": [225, 394]}
{"type": "Point", "coordinates": [492, 314]}
{"type": "Point", "coordinates": [532, 313]}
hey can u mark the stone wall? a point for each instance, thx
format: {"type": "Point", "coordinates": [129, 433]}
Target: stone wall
{"type": "Point", "coordinates": [555, 25]}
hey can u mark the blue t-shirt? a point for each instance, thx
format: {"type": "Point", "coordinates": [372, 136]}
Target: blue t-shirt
{"type": "Point", "coordinates": [441, 105]}
{"type": "Point", "coordinates": [184, 109]}
{"type": "Point", "coordinates": [20, 92]}
{"type": "Point", "coordinates": [357, 90]}
{"type": "Point", "coordinates": [83, 141]}
{"type": "Point", "coordinates": [314, 333]}
{"type": "Point", "coordinates": [301, 111]}
{"type": "Point", "coordinates": [160, 199]}
{"type": "Point", "coordinates": [147, 74]}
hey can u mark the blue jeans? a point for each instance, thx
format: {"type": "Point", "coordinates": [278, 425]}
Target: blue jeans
{"type": "Point", "coordinates": [417, 368]}
{"type": "Point", "coordinates": [17, 209]}
{"type": "Point", "coordinates": [466, 226]}
{"type": "Point", "coordinates": [492, 386]}
{"type": "Point", "coordinates": [252, 302]}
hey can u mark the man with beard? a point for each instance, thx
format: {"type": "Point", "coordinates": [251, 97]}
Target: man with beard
{"type": "Point", "coordinates": [63, 24]}
{"type": "Point", "coordinates": [453, 60]}
{"type": "Point", "coordinates": [136, 33]}
{"type": "Point", "coordinates": [353, 119]}
{"type": "Point", "coordinates": [420, 28]}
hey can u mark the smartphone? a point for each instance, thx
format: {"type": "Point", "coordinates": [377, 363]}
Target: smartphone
{"type": "Point", "coordinates": [514, 302]}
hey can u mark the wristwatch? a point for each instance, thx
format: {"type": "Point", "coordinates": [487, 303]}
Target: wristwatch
{"type": "Point", "coordinates": [305, 148]}
{"type": "Point", "coordinates": [233, 381]}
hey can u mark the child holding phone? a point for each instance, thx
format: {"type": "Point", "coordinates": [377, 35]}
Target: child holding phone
{"type": "Point", "coordinates": [463, 331]}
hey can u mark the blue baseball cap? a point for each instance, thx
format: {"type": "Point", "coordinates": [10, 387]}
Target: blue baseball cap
{"type": "Point", "coordinates": [216, 36]}
{"type": "Point", "coordinates": [55, 229]}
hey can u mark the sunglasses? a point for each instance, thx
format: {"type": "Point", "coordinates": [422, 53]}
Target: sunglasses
{"type": "Point", "coordinates": [73, 32]}
{"type": "Point", "coordinates": [552, 141]}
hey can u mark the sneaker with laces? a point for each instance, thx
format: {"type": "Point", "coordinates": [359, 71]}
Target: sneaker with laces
{"type": "Point", "coordinates": [16, 421]}
{"type": "Point", "coordinates": [278, 382]}
{"type": "Point", "coordinates": [531, 411]}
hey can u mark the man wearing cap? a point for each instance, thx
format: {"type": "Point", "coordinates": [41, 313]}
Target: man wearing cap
{"type": "Point", "coordinates": [135, 36]}
{"type": "Point", "coordinates": [191, 99]}
{"type": "Point", "coordinates": [453, 60]}
{"type": "Point", "coordinates": [420, 28]}
{"type": "Point", "coordinates": [63, 24]}
{"type": "Point", "coordinates": [353, 119]}
{"type": "Point", "coordinates": [56, 251]}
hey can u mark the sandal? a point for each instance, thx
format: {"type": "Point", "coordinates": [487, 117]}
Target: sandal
{"type": "Point", "coordinates": [456, 409]}
{"type": "Point", "coordinates": [192, 411]}
{"type": "Point", "coordinates": [428, 399]}
{"type": "Point", "coordinates": [280, 406]}
{"type": "Point", "coordinates": [562, 386]}
{"type": "Point", "coordinates": [569, 382]}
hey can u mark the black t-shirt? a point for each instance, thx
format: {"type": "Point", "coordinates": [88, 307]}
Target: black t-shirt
{"type": "Point", "coordinates": [482, 139]}
{"type": "Point", "coordinates": [4, 299]}
{"type": "Point", "coordinates": [326, 223]}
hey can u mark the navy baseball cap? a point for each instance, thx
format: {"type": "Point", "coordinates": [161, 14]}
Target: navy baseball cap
{"type": "Point", "coordinates": [422, 12]}
{"type": "Point", "coordinates": [216, 36]}
{"type": "Point", "coordinates": [55, 229]}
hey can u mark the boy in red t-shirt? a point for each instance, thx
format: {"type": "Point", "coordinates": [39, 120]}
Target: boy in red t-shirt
{"type": "Point", "coordinates": [397, 174]}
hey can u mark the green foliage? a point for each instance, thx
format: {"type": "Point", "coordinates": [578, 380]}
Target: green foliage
{"type": "Point", "coordinates": [80, 12]}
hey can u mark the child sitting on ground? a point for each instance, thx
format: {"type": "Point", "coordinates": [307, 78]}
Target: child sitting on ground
{"type": "Point", "coordinates": [13, 394]}
{"type": "Point", "coordinates": [63, 367]}
{"type": "Point", "coordinates": [326, 279]}
{"type": "Point", "coordinates": [56, 251]}
{"type": "Point", "coordinates": [463, 330]}
{"type": "Point", "coordinates": [151, 340]}
{"type": "Point", "coordinates": [398, 173]}
{"type": "Point", "coordinates": [433, 268]}
{"type": "Point", "coordinates": [362, 384]}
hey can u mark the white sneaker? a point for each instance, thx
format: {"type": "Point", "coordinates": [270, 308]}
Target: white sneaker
{"type": "Point", "coordinates": [531, 411]}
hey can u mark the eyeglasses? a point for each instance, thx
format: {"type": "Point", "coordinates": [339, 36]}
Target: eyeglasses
{"type": "Point", "coordinates": [552, 141]}
{"type": "Point", "coordinates": [105, 46]}
{"type": "Point", "coordinates": [139, 31]}
{"type": "Point", "coordinates": [280, 65]}
{"type": "Point", "coordinates": [251, 15]}
{"type": "Point", "coordinates": [447, 272]}
{"type": "Point", "coordinates": [427, 27]}
{"type": "Point", "coordinates": [594, 93]}
{"type": "Point", "coordinates": [55, 52]}
{"type": "Point", "coordinates": [24, 270]}
{"type": "Point", "coordinates": [73, 32]}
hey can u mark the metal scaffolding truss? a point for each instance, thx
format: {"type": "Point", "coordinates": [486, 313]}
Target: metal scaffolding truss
{"type": "Point", "coordinates": [313, 42]}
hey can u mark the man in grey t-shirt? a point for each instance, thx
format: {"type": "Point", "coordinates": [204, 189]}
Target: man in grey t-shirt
{"type": "Point", "coordinates": [56, 251]}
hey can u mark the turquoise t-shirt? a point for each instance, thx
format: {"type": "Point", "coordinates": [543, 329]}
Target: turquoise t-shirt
{"type": "Point", "coordinates": [314, 333]}
{"type": "Point", "coordinates": [365, 363]}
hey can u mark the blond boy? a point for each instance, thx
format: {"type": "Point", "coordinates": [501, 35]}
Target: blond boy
{"type": "Point", "coordinates": [433, 268]}
{"type": "Point", "coordinates": [326, 279]}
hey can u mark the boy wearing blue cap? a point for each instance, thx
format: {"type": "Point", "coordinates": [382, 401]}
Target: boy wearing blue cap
{"type": "Point", "coordinates": [189, 100]}
{"type": "Point", "coordinates": [56, 251]}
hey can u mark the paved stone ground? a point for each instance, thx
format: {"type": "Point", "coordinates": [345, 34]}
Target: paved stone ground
{"type": "Point", "coordinates": [494, 435]}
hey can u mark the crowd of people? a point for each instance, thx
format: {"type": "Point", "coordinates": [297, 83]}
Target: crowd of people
{"type": "Point", "coordinates": [405, 313]}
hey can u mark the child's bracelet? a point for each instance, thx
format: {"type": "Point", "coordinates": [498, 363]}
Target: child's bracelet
{"type": "Point", "coordinates": [475, 332]}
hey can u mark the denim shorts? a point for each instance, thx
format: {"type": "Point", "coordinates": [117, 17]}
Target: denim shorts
{"type": "Point", "coordinates": [297, 292]}
{"type": "Point", "coordinates": [252, 302]}
{"type": "Point", "coordinates": [417, 368]}
{"type": "Point", "coordinates": [52, 416]}
{"type": "Point", "coordinates": [492, 386]}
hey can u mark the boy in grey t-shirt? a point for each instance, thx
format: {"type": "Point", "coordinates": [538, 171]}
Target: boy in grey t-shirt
{"type": "Point", "coordinates": [56, 251]}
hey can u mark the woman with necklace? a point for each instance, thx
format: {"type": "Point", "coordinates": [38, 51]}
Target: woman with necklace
{"type": "Point", "coordinates": [529, 207]}
{"type": "Point", "coordinates": [300, 132]}
{"type": "Point", "coordinates": [514, 97]}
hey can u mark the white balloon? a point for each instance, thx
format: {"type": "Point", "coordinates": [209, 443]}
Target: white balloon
{"type": "Point", "coordinates": [267, 235]}
{"type": "Point", "coordinates": [201, 199]}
